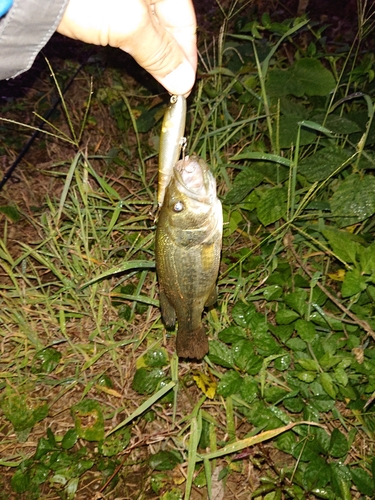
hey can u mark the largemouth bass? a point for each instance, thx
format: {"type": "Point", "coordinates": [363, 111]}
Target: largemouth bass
{"type": "Point", "coordinates": [171, 141]}
{"type": "Point", "coordinates": [187, 249]}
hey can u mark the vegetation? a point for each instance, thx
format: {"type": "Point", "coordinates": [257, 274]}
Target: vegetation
{"type": "Point", "coordinates": [94, 402]}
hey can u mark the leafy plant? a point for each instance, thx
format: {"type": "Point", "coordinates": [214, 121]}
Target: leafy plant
{"type": "Point", "coordinates": [283, 403]}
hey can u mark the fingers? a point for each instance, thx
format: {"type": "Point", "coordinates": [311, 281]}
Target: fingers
{"type": "Point", "coordinates": [159, 34]}
{"type": "Point", "coordinates": [165, 43]}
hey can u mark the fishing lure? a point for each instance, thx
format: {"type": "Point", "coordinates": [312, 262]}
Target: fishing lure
{"type": "Point", "coordinates": [171, 141]}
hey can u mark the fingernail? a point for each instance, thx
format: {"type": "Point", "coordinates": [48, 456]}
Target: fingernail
{"type": "Point", "coordinates": [181, 80]}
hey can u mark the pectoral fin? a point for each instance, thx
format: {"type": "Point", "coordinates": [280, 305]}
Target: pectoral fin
{"type": "Point", "coordinates": [167, 311]}
{"type": "Point", "coordinates": [212, 298]}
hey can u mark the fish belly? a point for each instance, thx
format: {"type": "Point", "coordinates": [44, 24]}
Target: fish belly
{"type": "Point", "coordinates": [187, 279]}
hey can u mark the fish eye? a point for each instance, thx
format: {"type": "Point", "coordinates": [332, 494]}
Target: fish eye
{"type": "Point", "coordinates": [178, 207]}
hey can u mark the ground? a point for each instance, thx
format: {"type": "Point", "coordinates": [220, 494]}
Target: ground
{"type": "Point", "coordinates": [41, 175]}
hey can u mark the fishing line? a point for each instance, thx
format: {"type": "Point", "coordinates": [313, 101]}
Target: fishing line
{"type": "Point", "coordinates": [41, 125]}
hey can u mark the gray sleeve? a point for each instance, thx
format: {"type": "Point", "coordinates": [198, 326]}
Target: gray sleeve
{"type": "Point", "coordinates": [24, 31]}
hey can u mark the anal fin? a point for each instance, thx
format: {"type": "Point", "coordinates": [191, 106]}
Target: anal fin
{"type": "Point", "coordinates": [212, 298]}
{"type": "Point", "coordinates": [167, 311]}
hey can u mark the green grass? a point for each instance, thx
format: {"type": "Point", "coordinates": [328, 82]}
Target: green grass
{"type": "Point", "coordinates": [93, 398]}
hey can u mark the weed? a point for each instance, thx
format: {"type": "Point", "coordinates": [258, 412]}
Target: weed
{"type": "Point", "coordinates": [282, 406]}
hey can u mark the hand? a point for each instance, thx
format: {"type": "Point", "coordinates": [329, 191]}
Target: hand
{"type": "Point", "coordinates": [159, 34]}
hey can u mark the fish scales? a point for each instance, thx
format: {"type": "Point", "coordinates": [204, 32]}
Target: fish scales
{"type": "Point", "coordinates": [188, 248]}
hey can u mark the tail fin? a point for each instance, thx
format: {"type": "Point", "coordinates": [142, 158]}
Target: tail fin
{"type": "Point", "coordinates": [192, 344]}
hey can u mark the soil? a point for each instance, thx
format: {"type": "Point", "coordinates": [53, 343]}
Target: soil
{"type": "Point", "coordinates": [38, 177]}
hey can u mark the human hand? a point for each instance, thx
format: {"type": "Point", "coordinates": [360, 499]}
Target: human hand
{"type": "Point", "coordinates": [159, 34]}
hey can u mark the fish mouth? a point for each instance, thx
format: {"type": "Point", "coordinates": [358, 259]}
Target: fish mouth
{"type": "Point", "coordinates": [195, 179]}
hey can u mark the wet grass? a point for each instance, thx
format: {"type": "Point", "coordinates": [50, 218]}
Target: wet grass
{"type": "Point", "coordinates": [94, 401]}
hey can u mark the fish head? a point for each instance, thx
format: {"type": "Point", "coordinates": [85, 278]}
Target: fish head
{"type": "Point", "coordinates": [191, 199]}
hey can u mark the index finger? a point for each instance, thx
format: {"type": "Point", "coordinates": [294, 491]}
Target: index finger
{"type": "Point", "coordinates": [178, 18]}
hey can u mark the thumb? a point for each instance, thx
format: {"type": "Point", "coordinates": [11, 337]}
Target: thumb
{"type": "Point", "coordinates": [157, 51]}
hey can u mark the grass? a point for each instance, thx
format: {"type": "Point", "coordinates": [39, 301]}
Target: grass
{"type": "Point", "coordinates": [93, 398]}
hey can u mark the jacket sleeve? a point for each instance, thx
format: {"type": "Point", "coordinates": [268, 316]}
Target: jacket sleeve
{"type": "Point", "coordinates": [24, 31]}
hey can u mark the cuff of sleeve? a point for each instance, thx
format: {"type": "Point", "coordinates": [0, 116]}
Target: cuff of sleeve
{"type": "Point", "coordinates": [5, 5]}
{"type": "Point", "coordinates": [24, 31]}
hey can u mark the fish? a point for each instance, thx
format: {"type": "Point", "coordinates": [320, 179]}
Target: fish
{"type": "Point", "coordinates": [188, 251]}
{"type": "Point", "coordinates": [171, 141]}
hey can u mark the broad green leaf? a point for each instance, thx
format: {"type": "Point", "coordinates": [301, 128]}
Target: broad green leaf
{"type": "Point", "coordinates": [69, 440]}
{"type": "Point", "coordinates": [297, 300]}
{"type": "Point", "coordinates": [286, 316]}
{"type": "Point", "coordinates": [249, 389]}
{"type": "Point", "coordinates": [71, 488]}
{"type": "Point", "coordinates": [146, 381]}
{"type": "Point", "coordinates": [232, 219]}
{"type": "Point", "coordinates": [306, 376]}
{"type": "Point", "coordinates": [290, 128]}
{"type": "Point", "coordinates": [328, 385]}
{"type": "Point", "coordinates": [156, 357]}
{"type": "Point", "coordinates": [323, 163]}
{"type": "Point", "coordinates": [88, 420]}
{"type": "Point", "coordinates": [367, 259]}
{"type": "Point", "coordinates": [115, 443]}
{"type": "Point", "coordinates": [273, 394]}
{"type": "Point", "coordinates": [246, 181]}
{"type": "Point", "coordinates": [322, 403]}
{"type": "Point", "coordinates": [258, 325]}
{"type": "Point", "coordinates": [317, 474]}
{"type": "Point", "coordinates": [354, 200]}
{"type": "Point", "coordinates": [286, 441]}
{"type": "Point", "coordinates": [44, 447]}
{"type": "Point", "coordinates": [308, 364]}
{"type": "Point", "coordinates": [21, 481]}
{"type": "Point", "coordinates": [250, 202]}
{"type": "Point", "coordinates": [282, 332]}
{"type": "Point", "coordinates": [21, 412]}
{"type": "Point", "coordinates": [173, 494]}
{"type": "Point", "coordinates": [363, 481]}
{"type": "Point", "coordinates": [305, 77]}
{"type": "Point", "coordinates": [306, 330]}
{"type": "Point", "coordinates": [232, 334]}
{"type": "Point", "coordinates": [321, 319]}
{"type": "Point", "coordinates": [341, 480]}
{"type": "Point", "coordinates": [307, 450]}
{"type": "Point", "coordinates": [272, 292]}
{"type": "Point", "coordinates": [354, 282]}
{"type": "Point", "coordinates": [341, 376]}
{"type": "Point", "coordinates": [242, 313]}
{"type": "Point", "coordinates": [272, 205]}
{"type": "Point", "coordinates": [229, 384]}
{"type": "Point", "coordinates": [220, 354]}
{"type": "Point", "coordinates": [243, 354]}
{"type": "Point", "coordinates": [339, 445]}
{"type": "Point", "coordinates": [165, 460]}
{"type": "Point", "coordinates": [343, 244]}
{"type": "Point", "coordinates": [338, 124]}
{"type": "Point", "coordinates": [265, 345]}
{"type": "Point", "coordinates": [146, 120]}
{"type": "Point", "coordinates": [295, 405]}
{"type": "Point", "coordinates": [45, 361]}
{"type": "Point", "coordinates": [283, 362]}
{"type": "Point", "coordinates": [296, 344]}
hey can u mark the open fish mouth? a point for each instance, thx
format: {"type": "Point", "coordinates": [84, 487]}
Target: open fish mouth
{"type": "Point", "coordinates": [194, 178]}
